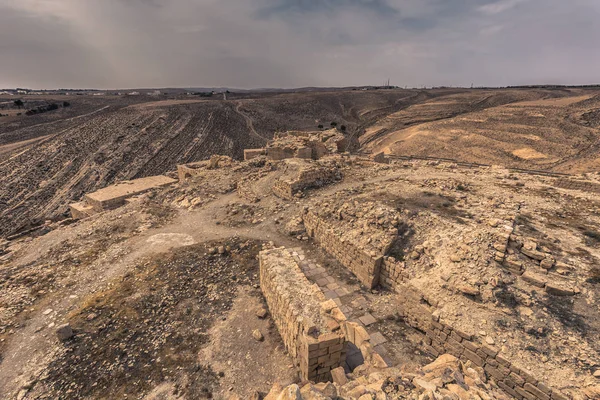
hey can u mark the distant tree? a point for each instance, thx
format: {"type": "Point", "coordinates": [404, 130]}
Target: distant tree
{"type": "Point", "coordinates": [320, 126]}
{"type": "Point", "coordinates": [333, 123]}
{"type": "Point", "coordinates": [343, 128]}
{"type": "Point", "coordinates": [52, 106]}
{"type": "Point", "coordinates": [18, 103]}
{"type": "Point", "coordinates": [66, 104]}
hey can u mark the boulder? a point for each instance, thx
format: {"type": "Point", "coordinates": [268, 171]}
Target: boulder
{"type": "Point", "coordinates": [339, 376]}
{"type": "Point", "coordinates": [64, 332]}
{"type": "Point", "coordinates": [291, 392]}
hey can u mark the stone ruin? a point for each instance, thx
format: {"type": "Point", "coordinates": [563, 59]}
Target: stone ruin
{"type": "Point", "coordinates": [315, 331]}
{"type": "Point", "coordinates": [299, 175]}
{"type": "Point", "coordinates": [185, 171]}
{"type": "Point", "coordinates": [115, 196]}
{"type": "Point", "coordinates": [358, 234]}
{"type": "Point", "coordinates": [308, 325]}
{"type": "Point", "coordinates": [297, 144]}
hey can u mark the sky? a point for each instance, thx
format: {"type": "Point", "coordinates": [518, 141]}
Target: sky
{"type": "Point", "coordinates": [109, 44]}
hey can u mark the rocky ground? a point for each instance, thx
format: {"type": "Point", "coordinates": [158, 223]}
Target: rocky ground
{"type": "Point", "coordinates": [52, 159]}
{"type": "Point", "coordinates": [161, 300]}
{"type": "Point", "coordinates": [49, 160]}
{"type": "Point", "coordinates": [445, 378]}
{"type": "Point", "coordinates": [549, 130]}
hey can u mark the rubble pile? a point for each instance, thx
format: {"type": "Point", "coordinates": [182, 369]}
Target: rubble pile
{"type": "Point", "coordinates": [299, 175]}
{"type": "Point", "coordinates": [371, 225]}
{"type": "Point", "coordinates": [445, 378]}
{"type": "Point", "coordinates": [309, 331]}
{"type": "Point", "coordinates": [298, 144]}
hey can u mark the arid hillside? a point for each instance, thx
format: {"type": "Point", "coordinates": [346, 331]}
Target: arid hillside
{"type": "Point", "coordinates": [535, 129]}
{"type": "Point", "coordinates": [50, 159]}
{"type": "Point", "coordinates": [193, 290]}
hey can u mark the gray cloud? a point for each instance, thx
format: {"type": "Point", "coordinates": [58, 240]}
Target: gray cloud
{"type": "Point", "coordinates": [291, 43]}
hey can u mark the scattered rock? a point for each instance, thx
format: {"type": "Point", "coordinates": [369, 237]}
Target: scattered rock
{"type": "Point", "coordinates": [256, 334]}
{"type": "Point", "coordinates": [468, 289]}
{"type": "Point", "coordinates": [262, 313]}
{"type": "Point", "coordinates": [291, 392]}
{"type": "Point", "coordinates": [64, 332]}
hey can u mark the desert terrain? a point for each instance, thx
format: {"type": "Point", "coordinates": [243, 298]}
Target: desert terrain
{"type": "Point", "coordinates": [447, 239]}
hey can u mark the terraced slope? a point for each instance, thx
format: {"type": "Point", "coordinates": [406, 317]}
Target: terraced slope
{"type": "Point", "coordinates": [50, 160]}
{"type": "Point", "coordinates": [548, 130]}
{"type": "Point", "coordinates": [47, 164]}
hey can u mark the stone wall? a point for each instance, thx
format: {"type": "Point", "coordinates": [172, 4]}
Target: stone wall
{"type": "Point", "coordinates": [358, 336]}
{"type": "Point", "coordinates": [572, 184]}
{"type": "Point", "coordinates": [441, 338]}
{"type": "Point", "coordinates": [364, 265]}
{"type": "Point", "coordinates": [307, 325]}
{"type": "Point", "coordinates": [392, 273]}
{"type": "Point", "coordinates": [249, 154]}
{"type": "Point", "coordinates": [186, 171]}
{"type": "Point", "coordinates": [312, 176]}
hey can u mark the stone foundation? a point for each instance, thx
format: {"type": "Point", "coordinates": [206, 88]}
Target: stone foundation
{"type": "Point", "coordinates": [364, 265]}
{"type": "Point", "coordinates": [310, 176]}
{"type": "Point", "coordinates": [443, 338]}
{"type": "Point", "coordinates": [308, 327]}
{"type": "Point", "coordinates": [392, 273]}
{"type": "Point", "coordinates": [115, 196]}
{"type": "Point", "coordinates": [249, 154]}
{"type": "Point", "coordinates": [189, 170]}
{"type": "Point", "coordinates": [81, 210]}
{"type": "Point", "coordinates": [572, 184]}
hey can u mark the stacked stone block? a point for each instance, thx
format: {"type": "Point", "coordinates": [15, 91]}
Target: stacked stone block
{"type": "Point", "coordinates": [249, 154]}
{"type": "Point", "coordinates": [517, 382]}
{"type": "Point", "coordinates": [365, 265]}
{"type": "Point", "coordinates": [280, 153]}
{"type": "Point", "coordinates": [572, 184]}
{"type": "Point", "coordinates": [392, 273]}
{"type": "Point", "coordinates": [308, 177]}
{"type": "Point", "coordinates": [443, 338]}
{"type": "Point", "coordinates": [311, 336]}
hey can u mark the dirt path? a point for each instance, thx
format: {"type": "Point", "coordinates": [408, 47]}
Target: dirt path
{"type": "Point", "coordinates": [31, 349]}
{"type": "Point", "coordinates": [9, 148]}
{"type": "Point", "coordinates": [249, 122]}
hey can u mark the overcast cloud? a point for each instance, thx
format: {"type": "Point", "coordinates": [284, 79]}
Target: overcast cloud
{"type": "Point", "coordinates": [294, 43]}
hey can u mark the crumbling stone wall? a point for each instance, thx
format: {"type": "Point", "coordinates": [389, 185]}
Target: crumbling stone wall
{"type": "Point", "coordinates": [311, 176]}
{"type": "Point", "coordinates": [186, 171]}
{"type": "Point", "coordinates": [364, 265]}
{"type": "Point", "coordinates": [309, 331]}
{"type": "Point", "coordinates": [392, 273]}
{"type": "Point", "coordinates": [249, 154]}
{"type": "Point", "coordinates": [441, 338]}
{"type": "Point", "coordinates": [357, 233]}
{"type": "Point", "coordinates": [572, 184]}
